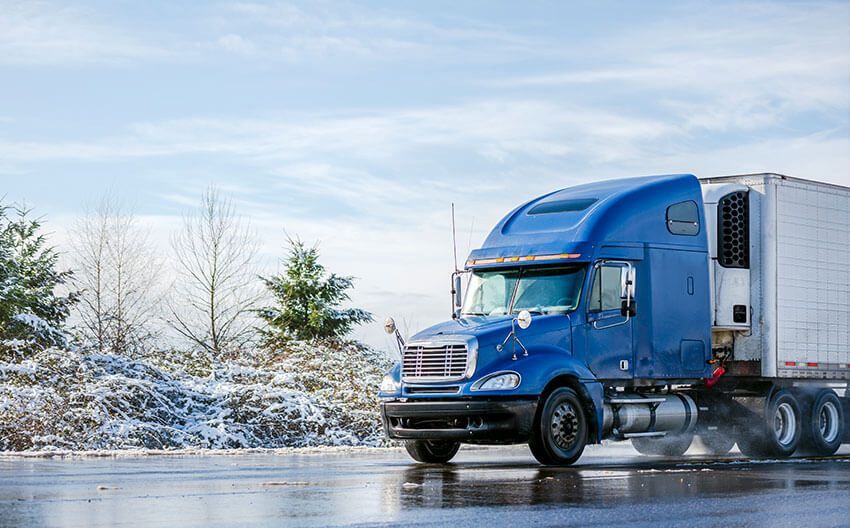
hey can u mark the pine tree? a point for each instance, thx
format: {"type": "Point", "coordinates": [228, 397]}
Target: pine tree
{"type": "Point", "coordinates": [307, 300]}
{"type": "Point", "coordinates": [31, 311]}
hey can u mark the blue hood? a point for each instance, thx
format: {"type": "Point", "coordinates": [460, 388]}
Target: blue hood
{"type": "Point", "coordinates": [551, 332]}
{"type": "Point", "coordinates": [478, 326]}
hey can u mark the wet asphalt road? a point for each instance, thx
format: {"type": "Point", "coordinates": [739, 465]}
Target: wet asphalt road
{"type": "Point", "coordinates": [482, 488]}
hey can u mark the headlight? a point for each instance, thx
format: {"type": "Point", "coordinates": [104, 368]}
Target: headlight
{"type": "Point", "coordinates": [389, 384]}
{"type": "Point", "coordinates": [500, 381]}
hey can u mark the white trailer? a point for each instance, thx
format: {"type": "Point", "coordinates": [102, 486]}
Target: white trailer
{"type": "Point", "coordinates": [781, 275]}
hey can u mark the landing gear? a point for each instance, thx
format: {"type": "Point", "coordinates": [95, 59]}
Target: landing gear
{"type": "Point", "coordinates": [560, 431]}
{"type": "Point", "coordinates": [432, 451]}
{"type": "Point", "coordinates": [778, 432]}
{"type": "Point", "coordinates": [823, 424]}
{"type": "Point", "coordinates": [672, 446]}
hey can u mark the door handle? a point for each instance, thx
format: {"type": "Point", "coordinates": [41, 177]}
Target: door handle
{"type": "Point", "coordinates": [597, 326]}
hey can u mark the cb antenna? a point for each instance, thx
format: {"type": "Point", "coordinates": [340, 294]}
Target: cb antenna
{"type": "Point", "coordinates": [454, 236]}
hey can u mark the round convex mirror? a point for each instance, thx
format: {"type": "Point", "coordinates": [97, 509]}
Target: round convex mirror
{"type": "Point", "coordinates": [523, 319]}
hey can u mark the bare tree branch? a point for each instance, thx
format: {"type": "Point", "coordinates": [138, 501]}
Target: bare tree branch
{"type": "Point", "coordinates": [215, 291]}
{"type": "Point", "coordinates": [117, 271]}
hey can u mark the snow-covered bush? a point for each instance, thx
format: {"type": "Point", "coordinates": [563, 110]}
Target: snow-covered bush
{"type": "Point", "coordinates": [305, 395]}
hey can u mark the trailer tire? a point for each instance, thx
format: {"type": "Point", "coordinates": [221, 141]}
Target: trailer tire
{"type": "Point", "coordinates": [560, 429]}
{"type": "Point", "coordinates": [718, 442]}
{"type": "Point", "coordinates": [823, 424]}
{"type": "Point", "coordinates": [777, 433]}
{"type": "Point", "coordinates": [671, 446]}
{"type": "Point", "coordinates": [431, 451]}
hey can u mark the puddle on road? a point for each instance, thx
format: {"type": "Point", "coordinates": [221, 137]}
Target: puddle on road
{"type": "Point", "coordinates": [456, 486]}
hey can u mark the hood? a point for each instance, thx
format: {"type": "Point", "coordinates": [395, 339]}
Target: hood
{"type": "Point", "coordinates": [490, 330]}
{"type": "Point", "coordinates": [479, 326]}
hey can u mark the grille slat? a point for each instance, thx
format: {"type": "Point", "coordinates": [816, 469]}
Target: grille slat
{"type": "Point", "coordinates": [435, 362]}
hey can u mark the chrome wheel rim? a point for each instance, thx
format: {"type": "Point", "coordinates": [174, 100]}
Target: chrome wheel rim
{"type": "Point", "coordinates": [565, 425]}
{"type": "Point", "coordinates": [828, 422]}
{"type": "Point", "coordinates": [785, 424]}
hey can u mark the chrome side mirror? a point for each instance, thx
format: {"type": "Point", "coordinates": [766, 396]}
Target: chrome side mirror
{"type": "Point", "coordinates": [391, 328]}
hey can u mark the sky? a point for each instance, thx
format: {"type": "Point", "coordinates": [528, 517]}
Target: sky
{"type": "Point", "coordinates": [357, 124]}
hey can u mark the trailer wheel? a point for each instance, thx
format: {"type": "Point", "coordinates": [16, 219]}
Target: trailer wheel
{"type": "Point", "coordinates": [778, 433]}
{"type": "Point", "coordinates": [560, 431]}
{"type": "Point", "coordinates": [671, 446]}
{"type": "Point", "coordinates": [718, 442]}
{"type": "Point", "coordinates": [431, 451]}
{"type": "Point", "coordinates": [823, 425]}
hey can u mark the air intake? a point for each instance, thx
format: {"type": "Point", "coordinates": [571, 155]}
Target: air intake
{"type": "Point", "coordinates": [437, 362]}
{"type": "Point", "coordinates": [733, 230]}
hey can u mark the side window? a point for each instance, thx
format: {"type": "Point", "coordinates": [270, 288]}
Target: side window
{"type": "Point", "coordinates": [683, 218]}
{"type": "Point", "coordinates": [605, 292]}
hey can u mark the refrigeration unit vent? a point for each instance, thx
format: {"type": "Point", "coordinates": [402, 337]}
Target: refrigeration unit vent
{"type": "Point", "coordinates": [733, 228]}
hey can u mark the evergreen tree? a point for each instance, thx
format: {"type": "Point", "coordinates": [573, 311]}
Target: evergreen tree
{"type": "Point", "coordinates": [307, 300]}
{"type": "Point", "coordinates": [31, 311]}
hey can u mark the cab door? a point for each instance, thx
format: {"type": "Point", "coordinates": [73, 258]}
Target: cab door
{"type": "Point", "coordinates": [610, 314]}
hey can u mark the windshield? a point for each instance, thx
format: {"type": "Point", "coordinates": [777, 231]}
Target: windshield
{"type": "Point", "coordinates": [538, 290]}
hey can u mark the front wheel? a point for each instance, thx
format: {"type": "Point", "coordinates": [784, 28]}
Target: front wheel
{"type": "Point", "coordinates": [431, 451]}
{"type": "Point", "coordinates": [560, 431]}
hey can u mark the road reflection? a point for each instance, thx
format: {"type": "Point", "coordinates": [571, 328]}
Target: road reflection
{"type": "Point", "coordinates": [487, 485]}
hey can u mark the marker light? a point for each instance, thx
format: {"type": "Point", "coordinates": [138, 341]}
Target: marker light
{"type": "Point", "coordinates": [527, 258]}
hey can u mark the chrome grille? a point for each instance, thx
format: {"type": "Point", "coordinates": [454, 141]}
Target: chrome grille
{"type": "Point", "coordinates": [437, 362]}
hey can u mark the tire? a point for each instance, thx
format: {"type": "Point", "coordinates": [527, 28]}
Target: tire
{"type": "Point", "coordinates": [560, 429]}
{"type": "Point", "coordinates": [718, 442]}
{"type": "Point", "coordinates": [823, 424]}
{"type": "Point", "coordinates": [431, 451]}
{"type": "Point", "coordinates": [671, 446]}
{"type": "Point", "coordinates": [777, 433]}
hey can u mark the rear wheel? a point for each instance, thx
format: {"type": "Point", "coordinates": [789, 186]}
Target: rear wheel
{"type": "Point", "coordinates": [778, 433]}
{"type": "Point", "coordinates": [560, 431]}
{"type": "Point", "coordinates": [717, 442]}
{"type": "Point", "coordinates": [432, 451]}
{"type": "Point", "coordinates": [672, 446]}
{"type": "Point", "coordinates": [823, 424]}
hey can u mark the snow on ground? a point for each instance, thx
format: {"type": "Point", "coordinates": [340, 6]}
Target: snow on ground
{"type": "Point", "coordinates": [58, 401]}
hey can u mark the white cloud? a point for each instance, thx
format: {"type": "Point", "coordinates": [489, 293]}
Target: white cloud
{"type": "Point", "coordinates": [723, 67]}
{"type": "Point", "coordinates": [48, 33]}
{"type": "Point", "coordinates": [498, 129]}
{"type": "Point", "coordinates": [237, 44]}
{"type": "Point", "coordinates": [317, 30]}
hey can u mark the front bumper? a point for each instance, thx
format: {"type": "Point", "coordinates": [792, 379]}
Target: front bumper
{"type": "Point", "coordinates": [473, 421]}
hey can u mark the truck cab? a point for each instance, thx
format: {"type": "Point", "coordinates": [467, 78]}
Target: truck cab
{"type": "Point", "coordinates": [588, 314]}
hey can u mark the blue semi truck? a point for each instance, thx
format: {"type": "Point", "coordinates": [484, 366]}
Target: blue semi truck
{"type": "Point", "coordinates": [654, 309]}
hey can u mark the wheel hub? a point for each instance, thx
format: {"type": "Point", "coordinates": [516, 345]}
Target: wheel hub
{"type": "Point", "coordinates": [784, 424]}
{"type": "Point", "coordinates": [828, 422]}
{"type": "Point", "coordinates": [565, 426]}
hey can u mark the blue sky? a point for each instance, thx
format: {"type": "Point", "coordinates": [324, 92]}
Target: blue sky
{"type": "Point", "coordinates": [357, 124]}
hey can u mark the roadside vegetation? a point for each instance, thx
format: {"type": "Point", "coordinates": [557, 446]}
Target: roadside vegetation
{"type": "Point", "coordinates": [114, 353]}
